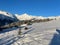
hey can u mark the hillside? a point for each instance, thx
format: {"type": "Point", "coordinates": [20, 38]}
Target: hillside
{"type": "Point", "coordinates": [44, 33]}
{"type": "Point", "coordinates": [6, 18]}
{"type": "Point", "coordinates": [26, 16]}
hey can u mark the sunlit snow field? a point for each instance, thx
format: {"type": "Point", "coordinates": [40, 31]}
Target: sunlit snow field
{"type": "Point", "coordinates": [43, 33]}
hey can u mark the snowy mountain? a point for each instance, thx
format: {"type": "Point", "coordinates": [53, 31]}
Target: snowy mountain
{"type": "Point", "coordinates": [6, 18]}
{"type": "Point", "coordinates": [6, 14]}
{"type": "Point", "coordinates": [52, 17]}
{"type": "Point", "coordinates": [29, 17]}
{"type": "Point", "coordinates": [24, 17]}
{"type": "Point", "coordinates": [57, 17]}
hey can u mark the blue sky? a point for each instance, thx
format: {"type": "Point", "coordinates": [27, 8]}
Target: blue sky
{"type": "Point", "coordinates": [32, 7]}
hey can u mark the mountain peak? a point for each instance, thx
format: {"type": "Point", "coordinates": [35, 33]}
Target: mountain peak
{"type": "Point", "coordinates": [25, 14]}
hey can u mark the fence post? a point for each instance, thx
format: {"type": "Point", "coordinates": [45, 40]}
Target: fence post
{"type": "Point", "coordinates": [19, 32]}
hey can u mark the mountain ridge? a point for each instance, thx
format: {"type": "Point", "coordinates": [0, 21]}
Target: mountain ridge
{"type": "Point", "coordinates": [26, 16]}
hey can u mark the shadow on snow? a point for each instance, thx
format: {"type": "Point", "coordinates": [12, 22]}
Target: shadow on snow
{"type": "Point", "coordinates": [56, 38]}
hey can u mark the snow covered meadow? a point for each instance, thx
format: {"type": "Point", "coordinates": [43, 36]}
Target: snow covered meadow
{"type": "Point", "coordinates": [43, 33]}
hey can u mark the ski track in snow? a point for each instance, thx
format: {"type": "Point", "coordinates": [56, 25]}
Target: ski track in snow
{"type": "Point", "coordinates": [44, 33]}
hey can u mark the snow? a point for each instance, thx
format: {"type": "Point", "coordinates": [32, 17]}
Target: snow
{"type": "Point", "coordinates": [6, 14]}
{"type": "Point", "coordinates": [43, 33]}
{"type": "Point", "coordinates": [23, 25]}
{"type": "Point", "coordinates": [24, 17]}
{"type": "Point", "coordinates": [8, 35]}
